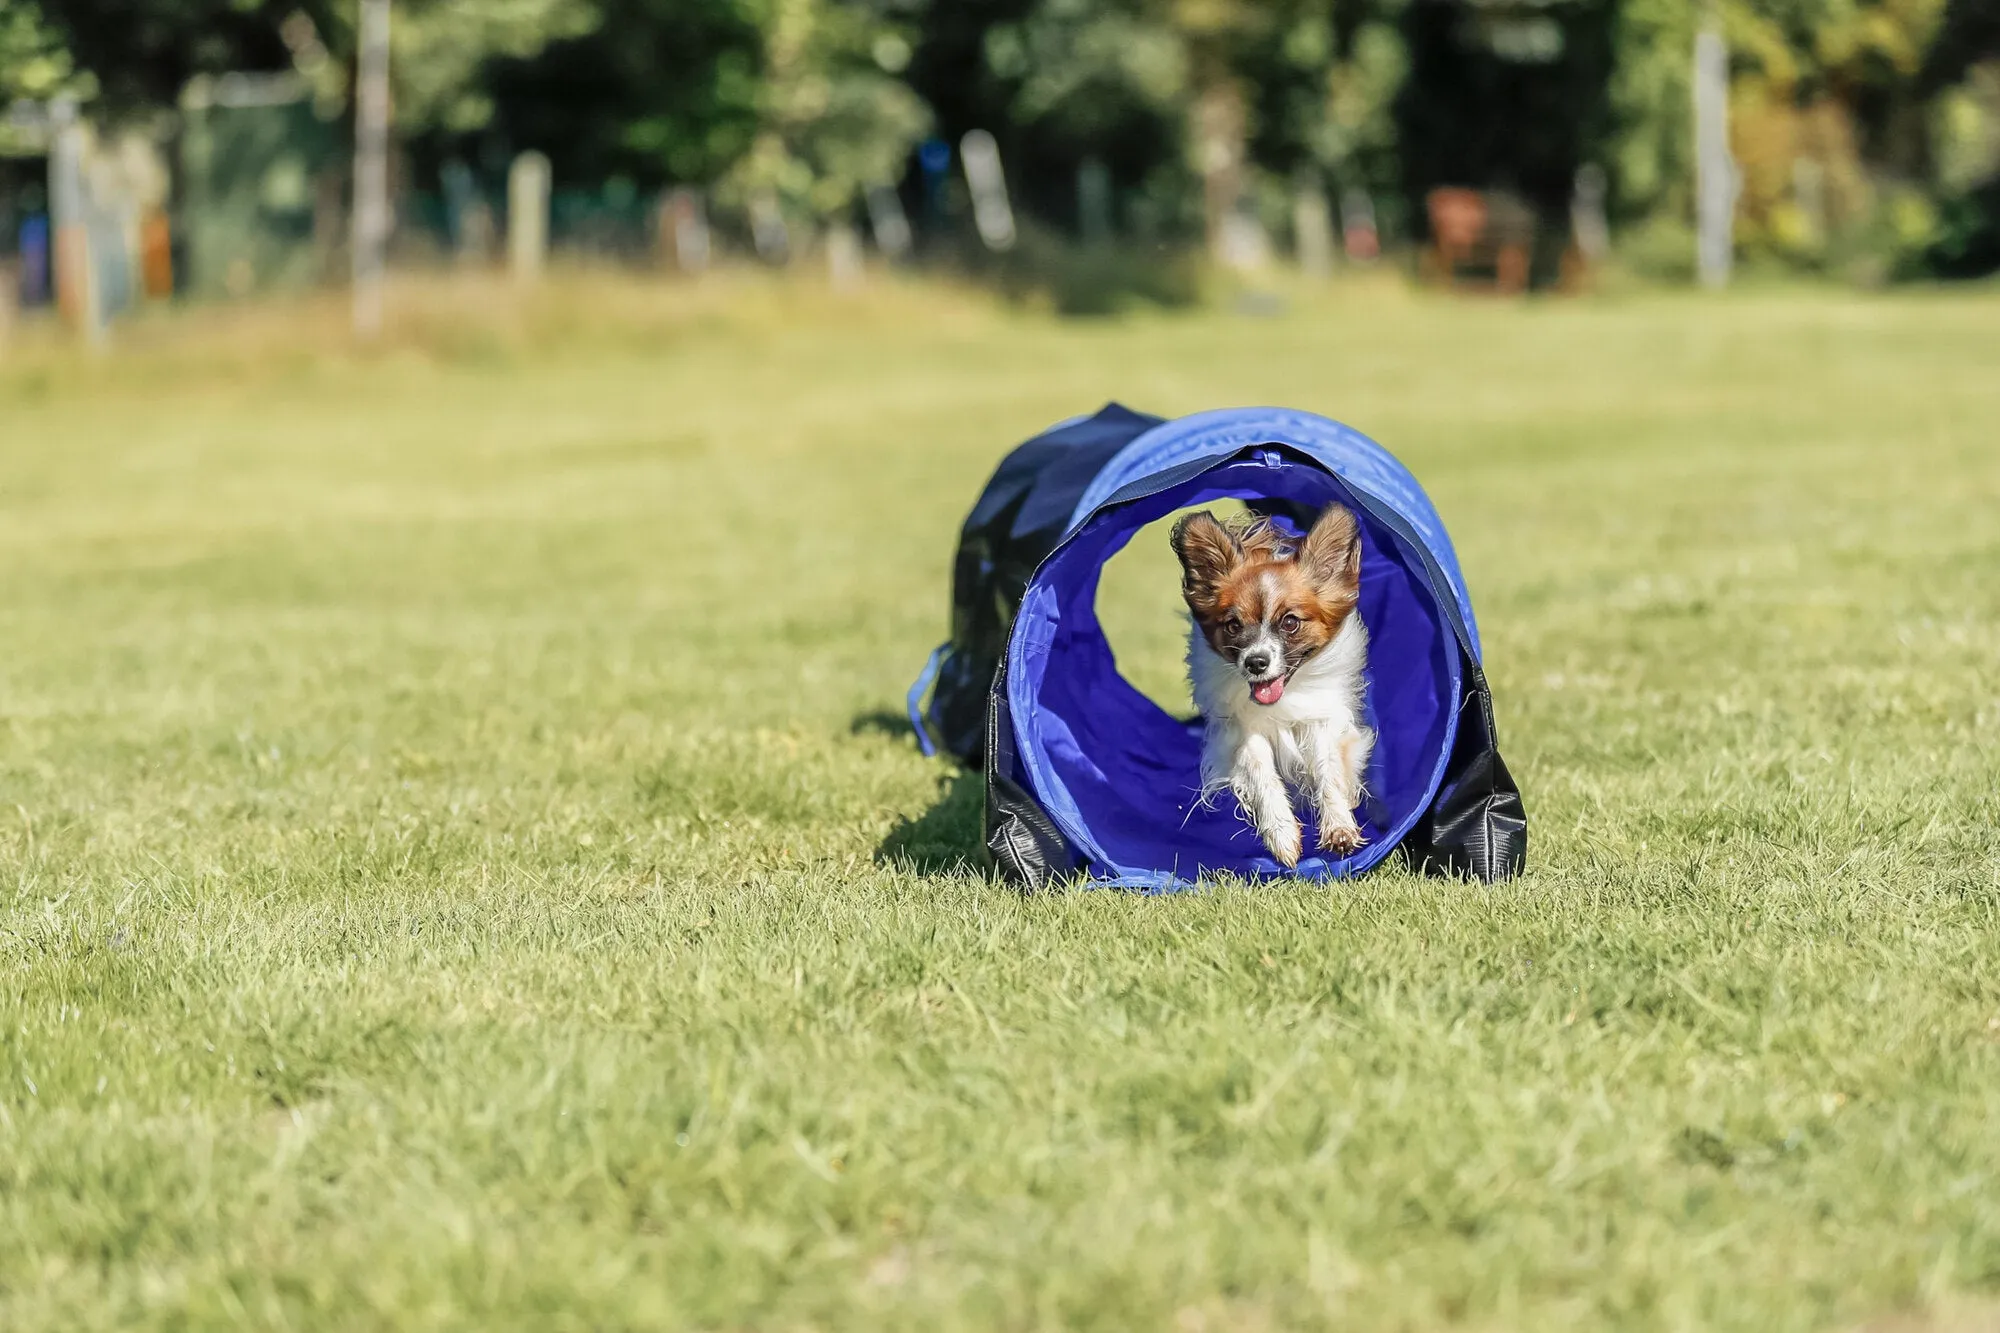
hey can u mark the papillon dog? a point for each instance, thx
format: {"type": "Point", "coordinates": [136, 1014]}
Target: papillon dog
{"type": "Point", "coordinates": [1276, 657]}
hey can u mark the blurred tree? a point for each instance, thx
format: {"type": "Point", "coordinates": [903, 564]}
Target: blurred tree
{"type": "Point", "coordinates": [1962, 77]}
{"type": "Point", "coordinates": [34, 63]}
{"type": "Point", "coordinates": [833, 114]}
{"type": "Point", "coordinates": [1227, 85]}
{"type": "Point", "coordinates": [1165, 92]}
{"type": "Point", "coordinates": [1323, 77]}
{"type": "Point", "coordinates": [1650, 158]}
{"type": "Point", "coordinates": [1844, 110]}
{"type": "Point", "coordinates": [1219, 37]}
{"type": "Point", "coordinates": [1967, 34]}
{"type": "Point", "coordinates": [1827, 108]}
{"type": "Point", "coordinates": [658, 91]}
{"type": "Point", "coordinates": [141, 53]}
{"type": "Point", "coordinates": [440, 48]}
{"type": "Point", "coordinates": [1059, 84]}
{"type": "Point", "coordinates": [1511, 94]}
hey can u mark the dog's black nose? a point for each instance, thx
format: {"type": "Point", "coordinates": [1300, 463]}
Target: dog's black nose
{"type": "Point", "coordinates": [1256, 663]}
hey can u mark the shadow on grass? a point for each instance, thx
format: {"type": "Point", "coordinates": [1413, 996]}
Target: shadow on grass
{"type": "Point", "coordinates": [882, 722]}
{"type": "Point", "coordinates": [945, 839]}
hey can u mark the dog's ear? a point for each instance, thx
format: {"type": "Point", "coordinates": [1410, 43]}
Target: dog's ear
{"type": "Point", "coordinates": [1331, 556]}
{"type": "Point", "coordinates": [1208, 554]}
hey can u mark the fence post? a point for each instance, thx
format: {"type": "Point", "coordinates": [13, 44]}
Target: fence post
{"type": "Point", "coordinates": [991, 213]}
{"type": "Point", "coordinates": [843, 256]}
{"type": "Point", "coordinates": [371, 166]}
{"type": "Point", "coordinates": [73, 267]}
{"type": "Point", "coordinates": [1715, 169]}
{"type": "Point", "coordinates": [10, 289]}
{"type": "Point", "coordinates": [889, 223]}
{"type": "Point", "coordinates": [527, 216]}
{"type": "Point", "coordinates": [1586, 214]}
{"type": "Point", "coordinates": [1358, 233]}
{"type": "Point", "coordinates": [1312, 228]}
{"type": "Point", "coordinates": [684, 230]}
{"type": "Point", "coordinates": [1093, 202]}
{"type": "Point", "coordinates": [156, 255]}
{"type": "Point", "coordinates": [768, 231]}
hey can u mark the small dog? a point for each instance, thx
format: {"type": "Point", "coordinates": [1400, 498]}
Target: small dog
{"type": "Point", "coordinates": [1276, 657]}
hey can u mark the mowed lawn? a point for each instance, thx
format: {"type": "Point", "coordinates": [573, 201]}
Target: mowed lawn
{"type": "Point", "coordinates": [460, 867]}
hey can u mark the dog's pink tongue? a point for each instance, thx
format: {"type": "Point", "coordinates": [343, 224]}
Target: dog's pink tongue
{"type": "Point", "coordinates": [1269, 692]}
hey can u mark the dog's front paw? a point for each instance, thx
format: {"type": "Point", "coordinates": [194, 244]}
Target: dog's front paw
{"type": "Point", "coordinates": [1342, 839]}
{"type": "Point", "coordinates": [1286, 842]}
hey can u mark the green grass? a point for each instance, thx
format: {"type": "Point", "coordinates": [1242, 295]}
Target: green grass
{"type": "Point", "coordinates": [459, 869]}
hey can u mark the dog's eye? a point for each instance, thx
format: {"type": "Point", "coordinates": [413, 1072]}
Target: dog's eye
{"type": "Point", "coordinates": [1290, 624]}
{"type": "Point", "coordinates": [1232, 626]}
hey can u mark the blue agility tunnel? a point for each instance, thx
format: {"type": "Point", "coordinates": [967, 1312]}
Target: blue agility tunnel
{"type": "Point", "coordinates": [1085, 775]}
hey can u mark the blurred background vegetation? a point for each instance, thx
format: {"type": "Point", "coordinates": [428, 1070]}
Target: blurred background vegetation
{"type": "Point", "coordinates": [1135, 134]}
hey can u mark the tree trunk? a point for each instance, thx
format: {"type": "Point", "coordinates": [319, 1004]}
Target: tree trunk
{"type": "Point", "coordinates": [1220, 134]}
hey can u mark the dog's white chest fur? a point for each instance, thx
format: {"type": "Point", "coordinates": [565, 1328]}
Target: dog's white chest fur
{"type": "Point", "coordinates": [1315, 739]}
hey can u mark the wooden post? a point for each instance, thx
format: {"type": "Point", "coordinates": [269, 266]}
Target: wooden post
{"type": "Point", "coordinates": [10, 293]}
{"type": "Point", "coordinates": [72, 264]}
{"type": "Point", "coordinates": [1588, 225]}
{"type": "Point", "coordinates": [1358, 233]}
{"type": "Point", "coordinates": [768, 231]}
{"type": "Point", "coordinates": [1715, 169]}
{"type": "Point", "coordinates": [1312, 228]}
{"type": "Point", "coordinates": [684, 230]}
{"type": "Point", "coordinates": [371, 166]}
{"type": "Point", "coordinates": [1221, 128]}
{"type": "Point", "coordinates": [843, 256]}
{"type": "Point", "coordinates": [1809, 193]}
{"type": "Point", "coordinates": [527, 216]}
{"type": "Point", "coordinates": [1093, 202]}
{"type": "Point", "coordinates": [992, 214]}
{"type": "Point", "coordinates": [156, 255]}
{"type": "Point", "coordinates": [889, 223]}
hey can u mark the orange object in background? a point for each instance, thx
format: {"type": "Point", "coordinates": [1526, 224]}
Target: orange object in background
{"type": "Point", "coordinates": [156, 256]}
{"type": "Point", "coordinates": [1471, 230]}
{"type": "Point", "coordinates": [74, 280]}
{"type": "Point", "coordinates": [1458, 220]}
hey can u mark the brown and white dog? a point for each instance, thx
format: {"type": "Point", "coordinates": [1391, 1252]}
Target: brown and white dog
{"type": "Point", "coordinates": [1277, 655]}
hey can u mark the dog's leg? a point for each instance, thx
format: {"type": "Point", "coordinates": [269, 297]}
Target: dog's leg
{"type": "Point", "coordinates": [1339, 759]}
{"type": "Point", "coordinates": [1262, 795]}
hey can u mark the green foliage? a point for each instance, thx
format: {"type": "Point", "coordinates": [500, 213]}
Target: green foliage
{"type": "Point", "coordinates": [1650, 156]}
{"type": "Point", "coordinates": [141, 53]}
{"type": "Point", "coordinates": [439, 49]}
{"type": "Point", "coordinates": [657, 91]}
{"type": "Point", "coordinates": [1968, 34]}
{"type": "Point", "coordinates": [1045, 268]}
{"type": "Point", "coordinates": [1118, 82]}
{"type": "Point", "coordinates": [1511, 98]}
{"type": "Point", "coordinates": [833, 117]}
{"type": "Point", "coordinates": [1861, 59]}
{"type": "Point", "coordinates": [34, 63]}
{"type": "Point", "coordinates": [1359, 126]}
{"type": "Point", "coordinates": [1062, 61]}
{"type": "Point", "coordinates": [1081, 72]}
{"type": "Point", "coordinates": [808, 102]}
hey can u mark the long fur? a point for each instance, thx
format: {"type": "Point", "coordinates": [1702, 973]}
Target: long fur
{"type": "Point", "coordinates": [1324, 696]}
{"type": "Point", "coordinates": [1314, 739]}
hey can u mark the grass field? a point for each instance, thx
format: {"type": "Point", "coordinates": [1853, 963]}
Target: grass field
{"type": "Point", "coordinates": [459, 867]}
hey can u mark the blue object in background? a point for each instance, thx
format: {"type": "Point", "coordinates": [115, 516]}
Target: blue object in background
{"type": "Point", "coordinates": [934, 157]}
{"type": "Point", "coordinates": [36, 261]}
